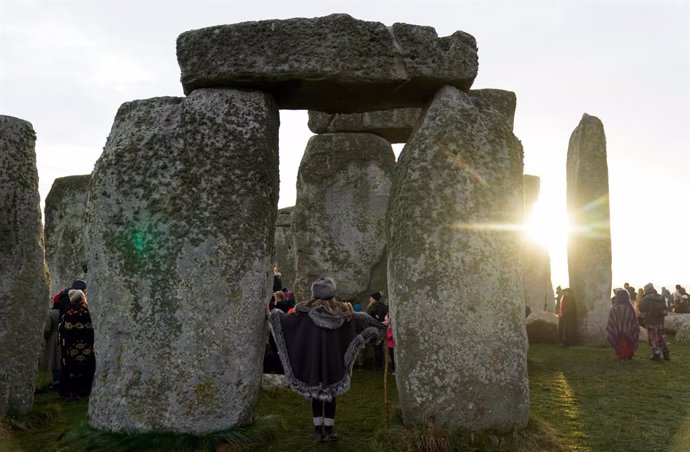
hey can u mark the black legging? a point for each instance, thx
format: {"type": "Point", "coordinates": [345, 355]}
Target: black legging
{"type": "Point", "coordinates": [320, 408]}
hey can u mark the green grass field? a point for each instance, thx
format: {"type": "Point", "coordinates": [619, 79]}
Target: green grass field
{"type": "Point", "coordinates": [581, 400]}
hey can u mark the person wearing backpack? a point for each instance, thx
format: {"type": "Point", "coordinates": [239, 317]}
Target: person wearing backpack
{"type": "Point", "coordinates": [654, 309]}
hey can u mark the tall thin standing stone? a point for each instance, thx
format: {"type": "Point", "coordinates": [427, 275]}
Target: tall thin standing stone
{"type": "Point", "coordinates": [536, 263]}
{"type": "Point", "coordinates": [64, 211]}
{"type": "Point", "coordinates": [454, 269]}
{"type": "Point", "coordinates": [338, 221]}
{"type": "Point", "coordinates": [180, 228]}
{"type": "Point", "coordinates": [285, 247]}
{"type": "Point", "coordinates": [23, 272]}
{"type": "Point", "coordinates": [589, 244]}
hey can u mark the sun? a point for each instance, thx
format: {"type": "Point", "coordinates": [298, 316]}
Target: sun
{"type": "Point", "coordinates": [547, 226]}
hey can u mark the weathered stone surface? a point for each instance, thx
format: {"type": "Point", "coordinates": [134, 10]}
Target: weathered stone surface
{"type": "Point", "coordinates": [334, 63]}
{"type": "Point", "coordinates": [542, 327]}
{"type": "Point", "coordinates": [683, 334]}
{"type": "Point", "coordinates": [589, 244]}
{"type": "Point", "coordinates": [532, 188]}
{"type": "Point", "coordinates": [675, 322]}
{"type": "Point", "coordinates": [285, 247]}
{"type": "Point", "coordinates": [338, 222]}
{"type": "Point", "coordinates": [396, 125]}
{"type": "Point", "coordinates": [536, 277]}
{"type": "Point", "coordinates": [64, 211]}
{"type": "Point", "coordinates": [504, 102]}
{"type": "Point", "coordinates": [461, 354]}
{"type": "Point", "coordinates": [536, 262]}
{"type": "Point", "coordinates": [180, 230]}
{"type": "Point", "coordinates": [23, 272]}
{"type": "Point", "coordinates": [273, 381]}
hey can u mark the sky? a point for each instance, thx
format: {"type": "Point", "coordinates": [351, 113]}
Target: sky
{"type": "Point", "coordinates": [67, 65]}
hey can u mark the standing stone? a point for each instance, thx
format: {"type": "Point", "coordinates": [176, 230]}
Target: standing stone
{"type": "Point", "coordinates": [454, 270]}
{"type": "Point", "coordinates": [23, 272]}
{"type": "Point", "coordinates": [64, 212]}
{"type": "Point", "coordinates": [180, 230]}
{"type": "Point", "coordinates": [334, 63]}
{"type": "Point", "coordinates": [285, 247]}
{"type": "Point", "coordinates": [589, 245]}
{"type": "Point", "coordinates": [343, 186]}
{"type": "Point", "coordinates": [536, 262]}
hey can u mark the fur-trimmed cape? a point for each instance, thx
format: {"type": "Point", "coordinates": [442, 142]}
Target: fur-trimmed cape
{"type": "Point", "coordinates": [318, 348]}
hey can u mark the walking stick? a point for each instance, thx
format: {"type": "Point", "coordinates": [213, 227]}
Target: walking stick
{"type": "Point", "coordinates": [385, 383]}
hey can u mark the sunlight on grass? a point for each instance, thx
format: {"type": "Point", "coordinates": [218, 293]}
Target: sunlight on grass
{"type": "Point", "coordinates": [568, 404]}
{"type": "Point", "coordinates": [582, 399]}
{"type": "Point", "coordinates": [681, 441]}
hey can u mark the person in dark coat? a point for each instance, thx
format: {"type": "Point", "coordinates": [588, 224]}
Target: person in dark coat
{"type": "Point", "coordinates": [654, 309]}
{"type": "Point", "coordinates": [61, 303]}
{"type": "Point", "coordinates": [378, 310]}
{"type": "Point", "coordinates": [623, 331]}
{"type": "Point", "coordinates": [61, 299]}
{"type": "Point", "coordinates": [317, 345]}
{"type": "Point", "coordinates": [53, 357]}
{"type": "Point", "coordinates": [76, 345]}
{"type": "Point", "coordinates": [567, 319]}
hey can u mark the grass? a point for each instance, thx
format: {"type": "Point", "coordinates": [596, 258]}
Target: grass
{"type": "Point", "coordinates": [581, 400]}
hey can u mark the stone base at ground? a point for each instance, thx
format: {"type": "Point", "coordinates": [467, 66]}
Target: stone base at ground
{"type": "Point", "coordinates": [274, 381]}
{"type": "Point", "coordinates": [674, 322]}
{"type": "Point", "coordinates": [542, 327]}
{"type": "Point", "coordinates": [683, 334]}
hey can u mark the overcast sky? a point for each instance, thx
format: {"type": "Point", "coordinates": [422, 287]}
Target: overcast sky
{"type": "Point", "coordinates": [66, 66]}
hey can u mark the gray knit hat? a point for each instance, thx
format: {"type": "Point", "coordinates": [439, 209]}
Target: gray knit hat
{"type": "Point", "coordinates": [323, 288]}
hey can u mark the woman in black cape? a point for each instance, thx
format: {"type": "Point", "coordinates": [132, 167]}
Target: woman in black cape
{"type": "Point", "coordinates": [317, 345]}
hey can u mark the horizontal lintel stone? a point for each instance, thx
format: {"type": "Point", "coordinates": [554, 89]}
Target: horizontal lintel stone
{"type": "Point", "coordinates": [396, 125]}
{"type": "Point", "coordinates": [334, 63]}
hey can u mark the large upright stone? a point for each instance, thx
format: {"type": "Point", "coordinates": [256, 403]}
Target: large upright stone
{"type": "Point", "coordinates": [180, 229]}
{"type": "Point", "coordinates": [334, 63]}
{"type": "Point", "coordinates": [285, 247]}
{"type": "Point", "coordinates": [338, 221]}
{"type": "Point", "coordinates": [536, 262]}
{"type": "Point", "coordinates": [454, 270]}
{"type": "Point", "coordinates": [23, 272]}
{"type": "Point", "coordinates": [64, 212]}
{"type": "Point", "coordinates": [589, 244]}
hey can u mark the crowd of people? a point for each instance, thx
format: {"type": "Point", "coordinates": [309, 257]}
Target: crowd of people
{"type": "Point", "coordinates": [69, 336]}
{"type": "Point", "coordinates": [316, 343]}
{"type": "Point", "coordinates": [630, 310]}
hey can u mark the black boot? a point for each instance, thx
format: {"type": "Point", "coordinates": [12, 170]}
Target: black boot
{"type": "Point", "coordinates": [667, 356]}
{"type": "Point", "coordinates": [318, 433]}
{"type": "Point", "coordinates": [329, 434]}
